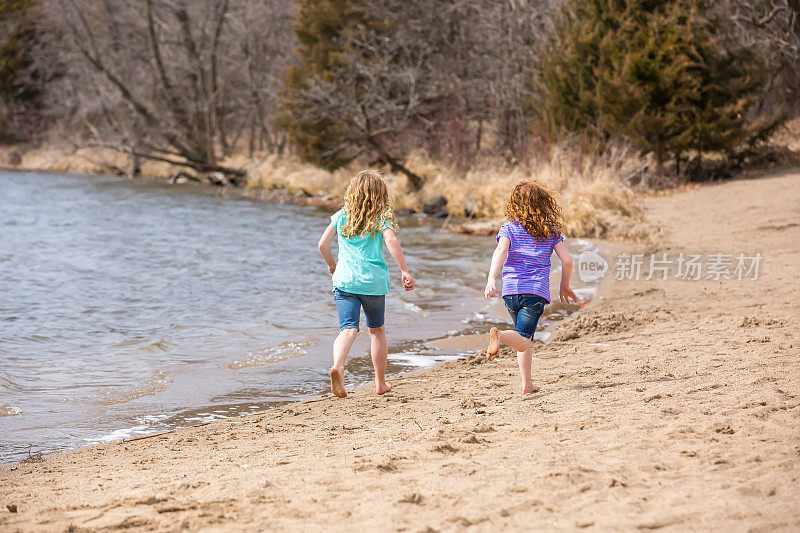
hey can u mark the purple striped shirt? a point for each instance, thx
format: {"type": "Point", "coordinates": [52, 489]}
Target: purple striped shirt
{"type": "Point", "coordinates": [527, 267]}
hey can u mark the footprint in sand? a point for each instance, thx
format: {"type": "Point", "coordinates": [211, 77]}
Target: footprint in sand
{"type": "Point", "coordinates": [445, 448]}
{"type": "Point", "coordinates": [414, 497]}
{"type": "Point", "coordinates": [388, 467]}
{"type": "Point", "coordinates": [471, 403]}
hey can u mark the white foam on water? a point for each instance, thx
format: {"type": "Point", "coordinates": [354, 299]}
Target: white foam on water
{"type": "Point", "coordinates": [144, 424]}
{"type": "Point", "coordinates": [120, 434]}
{"type": "Point", "coordinates": [420, 361]}
{"type": "Point", "coordinates": [9, 410]}
{"type": "Point", "coordinates": [158, 383]}
{"type": "Point", "coordinates": [272, 354]}
{"type": "Point", "coordinates": [408, 306]}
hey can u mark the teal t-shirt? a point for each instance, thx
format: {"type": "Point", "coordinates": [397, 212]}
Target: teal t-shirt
{"type": "Point", "coordinates": [360, 268]}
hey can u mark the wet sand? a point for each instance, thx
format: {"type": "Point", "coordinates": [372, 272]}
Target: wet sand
{"type": "Point", "coordinates": [664, 405]}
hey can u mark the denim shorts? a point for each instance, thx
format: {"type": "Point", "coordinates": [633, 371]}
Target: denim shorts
{"type": "Point", "coordinates": [349, 305]}
{"type": "Point", "coordinates": [525, 310]}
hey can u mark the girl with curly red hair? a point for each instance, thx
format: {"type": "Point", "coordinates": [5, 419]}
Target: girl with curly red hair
{"type": "Point", "coordinates": [524, 247]}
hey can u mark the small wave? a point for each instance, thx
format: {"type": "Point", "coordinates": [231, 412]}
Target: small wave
{"type": "Point", "coordinates": [273, 354]}
{"type": "Point", "coordinates": [420, 360]}
{"type": "Point", "coordinates": [7, 384]}
{"type": "Point", "coordinates": [157, 345]}
{"type": "Point", "coordinates": [121, 434]}
{"type": "Point", "coordinates": [412, 307]}
{"type": "Point", "coordinates": [10, 410]}
{"type": "Point", "coordinates": [144, 425]}
{"type": "Point", "coordinates": [150, 387]}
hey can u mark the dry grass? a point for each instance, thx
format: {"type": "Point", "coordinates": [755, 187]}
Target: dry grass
{"type": "Point", "coordinates": [788, 135]}
{"type": "Point", "coordinates": [276, 172]}
{"type": "Point", "coordinates": [594, 190]}
{"type": "Point", "coordinates": [89, 160]}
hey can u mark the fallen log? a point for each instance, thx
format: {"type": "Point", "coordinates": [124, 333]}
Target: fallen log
{"type": "Point", "coordinates": [478, 227]}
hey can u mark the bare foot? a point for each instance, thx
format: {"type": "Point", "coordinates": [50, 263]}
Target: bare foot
{"type": "Point", "coordinates": [494, 344]}
{"type": "Point", "coordinates": [337, 383]}
{"type": "Point", "coordinates": [529, 388]}
{"type": "Point", "coordinates": [383, 389]}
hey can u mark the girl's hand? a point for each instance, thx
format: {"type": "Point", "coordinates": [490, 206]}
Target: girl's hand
{"type": "Point", "coordinates": [332, 269]}
{"type": "Point", "coordinates": [566, 293]}
{"type": "Point", "coordinates": [491, 289]}
{"type": "Point", "coordinates": [408, 281]}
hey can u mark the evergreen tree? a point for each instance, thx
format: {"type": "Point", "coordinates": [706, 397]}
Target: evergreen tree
{"type": "Point", "coordinates": [324, 29]}
{"type": "Point", "coordinates": [724, 109]}
{"type": "Point", "coordinates": [358, 84]}
{"type": "Point", "coordinates": [18, 86]}
{"type": "Point", "coordinates": [657, 73]}
{"type": "Point", "coordinates": [571, 67]}
{"type": "Point", "coordinates": [646, 87]}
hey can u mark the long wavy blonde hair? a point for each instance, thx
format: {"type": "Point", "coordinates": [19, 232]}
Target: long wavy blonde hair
{"type": "Point", "coordinates": [368, 205]}
{"type": "Point", "coordinates": [534, 205]}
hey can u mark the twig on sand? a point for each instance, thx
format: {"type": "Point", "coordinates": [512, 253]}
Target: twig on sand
{"type": "Point", "coordinates": [320, 399]}
{"type": "Point", "coordinates": [414, 380]}
{"type": "Point", "coordinates": [446, 222]}
{"type": "Point", "coordinates": [142, 437]}
{"type": "Point", "coordinates": [151, 435]}
{"type": "Point", "coordinates": [416, 376]}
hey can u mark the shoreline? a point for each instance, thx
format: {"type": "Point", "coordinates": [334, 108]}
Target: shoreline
{"type": "Point", "coordinates": [597, 203]}
{"type": "Point", "coordinates": [665, 404]}
{"type": "Point", "coordinates": [462, 345]}
{"type": "Point", "coordinates": [127, 420]}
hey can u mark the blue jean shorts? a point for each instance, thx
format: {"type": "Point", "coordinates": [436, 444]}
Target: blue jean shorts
{"type": "Point", "coordinates": [525, 310]}
{"type": "Point", "coordinates": [349, 305]}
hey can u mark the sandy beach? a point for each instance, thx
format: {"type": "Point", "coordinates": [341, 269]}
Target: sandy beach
{"type": "Point", "coordinates": [666, 404]}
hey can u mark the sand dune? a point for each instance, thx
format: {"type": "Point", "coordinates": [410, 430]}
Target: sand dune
{"type": "Point", "coordinates": [665, 405]}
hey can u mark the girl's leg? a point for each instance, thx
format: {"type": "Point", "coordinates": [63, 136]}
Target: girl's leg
{"type": "Point", "coordinates": [515, 340]}
{"type": "Point", "coordinates": [525, 321]}
{"type": "Point", "coordinates": [524, 359]}
{"type": "Point", "coordinates": [341, 348]}
{"type": "Point", "coordinates": [379, 350]}
{"type": "Point", "coordinates": [524, 356]}
{"type": "Point", "coordinates": [348, 307]}
{"type": "Point", "coordinates": [374, 310]}
{"type": "Point", "coordinates": [508, 337]}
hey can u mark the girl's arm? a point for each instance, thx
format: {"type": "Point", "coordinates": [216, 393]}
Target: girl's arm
{"type": "Point", "coordinates": [393, 245]}
{"type": "Point", "coordinates": [498, 259]}
{"type": "Point", "coordinates": [565, 292]}
{"type": "Point", "coordinates": [325, 247]}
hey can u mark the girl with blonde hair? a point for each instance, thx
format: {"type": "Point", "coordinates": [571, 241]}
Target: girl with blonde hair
{"type": "Point", "coordinates": [361, 276]}
{"type": "Point", "coordinates": [524, 246]}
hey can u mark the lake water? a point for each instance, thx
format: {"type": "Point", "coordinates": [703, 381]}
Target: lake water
{"type": "Point", "coordinates": [128, 307]}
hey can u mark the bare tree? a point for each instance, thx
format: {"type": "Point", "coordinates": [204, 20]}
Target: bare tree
{"type": "Point", "coordinates": [189, 82]}
{"type": "Point", "coordinates": [772, 29]}
{"type": "Point", "coordinates": [423, 78]}
{"type": "Point", "coordinates": [492, 62]}
{"type": "Point", "coordinates": [167, 79]}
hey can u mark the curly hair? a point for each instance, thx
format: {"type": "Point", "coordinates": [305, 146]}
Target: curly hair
{"type": "Point", "coordinates": [368, 205]}
{"type": "Point", "coordinates": [534, 206]}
